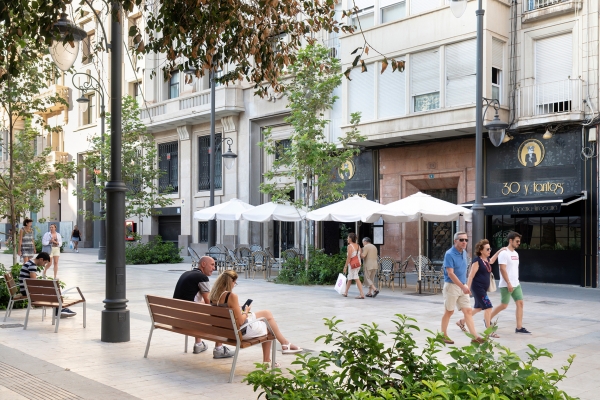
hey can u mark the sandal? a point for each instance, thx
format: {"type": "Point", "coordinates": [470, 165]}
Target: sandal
{"type": "Point", "coordinates": [360, 297]}
{"type": "Point", "coordinates": [289, 349]}
{"type": "Point", "coordinates": [461, 325]}
{"type": "Point", "coordinates": [345, 295]}
{"type": "Point", "coordinates": [268, 364]}
{"type": "Point", "coordinates": [376, 293]}
{"type": "Point", "coordinates": [494, 335]}
{"type": "Point", "coordinates": [369, 295]}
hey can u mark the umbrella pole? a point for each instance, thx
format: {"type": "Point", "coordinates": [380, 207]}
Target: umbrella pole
{"type": "Point", "coordinates": [280, 240]}
{"type": "Point", "coordinates": [420, 258]}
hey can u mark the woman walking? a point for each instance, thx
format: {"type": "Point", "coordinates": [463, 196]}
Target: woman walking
{"type": "Point", "coordinates": [54, 240]}
{"type": "Point", "coordinates": [26, 247]}
{"type": "Point", "coordinates": [76, 238]}
{"type": "Point", "coordinates": [353, 265]}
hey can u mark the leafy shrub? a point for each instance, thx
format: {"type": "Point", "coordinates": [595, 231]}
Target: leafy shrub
{"type": "Point", "coordinates": [323, 269]}
{"type": "Point", "coordinates": [359, 366]}
{"type": "Point", "coordinates": [156, 251]}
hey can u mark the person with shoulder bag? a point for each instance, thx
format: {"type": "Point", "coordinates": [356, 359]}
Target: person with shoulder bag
{"type": "Point", "coordinates": [352, 265]}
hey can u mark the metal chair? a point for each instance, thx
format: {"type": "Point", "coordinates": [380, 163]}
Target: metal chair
{"type": "Point", "coordinates": [289, 254]}
{"type": "Point", "coordinates": [386, 271]}
{"type": "Point", "coordinates": [219, 256]}
{"type": "Point", "coordinates": [255, 247]}
{"type": "Point", "coordinates": [235, 263]}
{"type": "Point", "coordinates": [273, 262]}
{"type": "Point", "coordinates": [426, 268]}
{"type": "Point", "coordinates": [259, 262]}
{"type": "Point", "coordinates": [402, 270]}
{"type": "Point", "coordinates": [195, 257]}
{"type": "Point", "coordinates": [15, 294]}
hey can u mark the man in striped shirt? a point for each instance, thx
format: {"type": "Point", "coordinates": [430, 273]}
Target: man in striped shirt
{"type": "Point", "coordinates": [29, 269]}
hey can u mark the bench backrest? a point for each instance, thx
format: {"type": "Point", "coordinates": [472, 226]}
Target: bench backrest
{"type": "Point", "coordinates": [211, 322]}
{"type": "Point", "coordinates": [42, 290]}
{"type": "Point", "coordinates": [10, 283]}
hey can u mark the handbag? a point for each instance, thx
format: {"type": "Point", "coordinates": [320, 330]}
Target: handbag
{"type": "Point", "coordinates": [253, 328]}
{"type": "Point", "coordinates": [492, 287]}
{"type": "Point", "coordinates": [340, 284]}
{"type": "Point", "coordinates": [355, 261]}
{"type": "Point", "coordinates": [47, 248]}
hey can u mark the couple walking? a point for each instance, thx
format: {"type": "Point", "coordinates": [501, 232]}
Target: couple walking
{"type": "Point", "coordinates": [457, 287]}
{"type": "Point", "coordinates": [353, 264]}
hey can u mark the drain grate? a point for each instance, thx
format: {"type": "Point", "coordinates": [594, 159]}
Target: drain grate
{"type": "Point", "coordinates": [5, 326]}
{"type": "Point", "coordinates": [31, 387]}
{"type": "Point", "coordinates": [550, 303]}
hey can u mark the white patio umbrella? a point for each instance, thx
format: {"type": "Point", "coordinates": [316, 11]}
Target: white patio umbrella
{"type": "Point", "coordinates": [421, 207]}
{"type": "Point", "coordinates": [275, 212]}
{"type": "Point", "coordinates": [229, 211]}
{"type": "Point", "coordinates": [352, 209]}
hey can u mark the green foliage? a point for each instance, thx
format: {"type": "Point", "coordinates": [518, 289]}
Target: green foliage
{"type": "Point", "coordinates": [323, 269]}
{"type": "Point", "coordinates": [154, 252]}
{"type": "Point", "coordinates": [139, 167]}
{"type": "Point", "coordinates": [360, 366]}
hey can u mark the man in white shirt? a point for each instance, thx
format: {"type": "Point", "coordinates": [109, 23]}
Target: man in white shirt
{"type": "Point", "coordinates": [509, 280]}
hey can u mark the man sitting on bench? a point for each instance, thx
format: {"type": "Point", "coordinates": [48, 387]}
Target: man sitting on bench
{"type": "Point", "coordinates": [194, 286]}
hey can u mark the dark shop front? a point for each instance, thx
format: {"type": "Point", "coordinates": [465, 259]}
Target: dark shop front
{"type": "Point", "coordinates": [546, 191]}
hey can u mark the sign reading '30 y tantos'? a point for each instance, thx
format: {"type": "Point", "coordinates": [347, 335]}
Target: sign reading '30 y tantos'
{"type": "Point", "coordinates": [512, 188]}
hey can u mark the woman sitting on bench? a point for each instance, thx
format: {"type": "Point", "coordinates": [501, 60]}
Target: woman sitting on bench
{"type": "Point", "coordinates": [221, 295]}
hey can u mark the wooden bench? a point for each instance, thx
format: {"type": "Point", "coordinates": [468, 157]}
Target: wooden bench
{"type": "Point", "coordinates": [201, 320]}
{"type": "Point", "coordinates": [15, 294]}
{"type": "Point", "coordinates": [46, 293]}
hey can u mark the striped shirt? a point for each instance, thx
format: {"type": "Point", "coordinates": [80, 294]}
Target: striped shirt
{"type": "Point", "coordinates": [26, 271]}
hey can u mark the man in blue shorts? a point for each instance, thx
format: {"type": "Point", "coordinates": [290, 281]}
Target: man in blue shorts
{"type": "Point", "coordinates": [509, 280]}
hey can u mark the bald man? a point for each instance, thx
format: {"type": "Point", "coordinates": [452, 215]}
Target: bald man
{"type": "Point", "coordinates": [194, 286]}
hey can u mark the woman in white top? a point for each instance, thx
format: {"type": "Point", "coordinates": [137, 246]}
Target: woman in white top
{"type": "Point", "coordinates": [54, 240]}
{"type": "Point", "coordinates": [353, 252]}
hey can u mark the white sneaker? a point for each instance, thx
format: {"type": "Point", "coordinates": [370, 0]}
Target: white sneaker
{"type": "Point", "coordinates": [76, 250]}
{"type": "Point", "coordinates": [200, 347]}
{"type": "Point", "coordinates": [223, 352]}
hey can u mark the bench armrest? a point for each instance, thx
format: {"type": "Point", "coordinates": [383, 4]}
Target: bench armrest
{"type": "Point", "coordinates": [71, 288]}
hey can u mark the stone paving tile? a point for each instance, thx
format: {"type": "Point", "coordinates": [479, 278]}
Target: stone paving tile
{"type": "Point", "coordinates": [570, 327]}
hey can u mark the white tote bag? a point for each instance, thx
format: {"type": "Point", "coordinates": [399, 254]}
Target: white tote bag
{"type": "Point", "coordinates": [340, 285]}
{"type": "Point", "coordinates": [253, 328]}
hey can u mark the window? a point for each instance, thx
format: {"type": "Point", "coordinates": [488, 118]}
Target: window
{"type": "Point", "coordinates": [553, 92]}
{"type": "Point", "coordinates": [217, 75]}
{"type": "Point", "coordinates": [137, 93]}
{"type": "Point", "coordinates": [89, 115]}
{"type": "Point", "coordinates": [361, 94]}
{"type": "Point", "coordinates": [168, 164]}
{"type": "Point", "coordinates": [421, 6]}
{"type": "Point", "coordinates": [366, 16]}
{"type": "Point", "coordinates": [539, 232]}
{"type": "Point", "coordinates": [460, 73]}
{"type": "Point", "coordinates": [391, 94]}
{"type": "Point", "coordinates": [88, 49]}
{"type": "Point", "coordinates": [174, 85]}
{"type": "Point", "coordinates": [204, 163]}
{"type": "Point", "coordinates": [281, 146]}
{"type": "Point", "coordinates": [392, 10]}
{"type": "Point", "coordinates": [203, 232]}
{"type": "Point", "coordinates": [425, 80]}
{"type": "Point", "coordinates": [497, 66]}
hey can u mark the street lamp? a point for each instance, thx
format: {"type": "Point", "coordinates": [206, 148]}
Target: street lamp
{"type": "Point", "coordinates": [458, 8]}
{"type": "Point", "coordinates": [115, 316]}
{"type": "Point", "coordinates": [228, 158]}
{"type": "Point", "coordinates": [92, 84]}
{"type": "Point", "coordinates": [496, 128]}
{"type": "Point", "coordinates": [64, 54]}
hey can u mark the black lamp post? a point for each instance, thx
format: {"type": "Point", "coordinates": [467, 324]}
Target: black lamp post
{"type": "Point", "coordinates": [458, 7]}
{"type": "Point", "coordinates": [92, 84]}
{"type": "Point", "coordinates": [115, 316]}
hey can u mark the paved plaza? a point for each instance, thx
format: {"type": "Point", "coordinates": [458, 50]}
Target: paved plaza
{"type": "Point", "coordinates": [74, 363]}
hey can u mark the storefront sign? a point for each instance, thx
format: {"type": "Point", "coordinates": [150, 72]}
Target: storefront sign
{"type": "Point", "coordinates": [532, 188]}
{"type": "Point", "coordinates": [357, 175]}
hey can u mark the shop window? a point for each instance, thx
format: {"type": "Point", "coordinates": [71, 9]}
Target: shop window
{"type": "Point", "coordinates": [538, 233]}
{"type": "Point", "coordinates": [204, 163]}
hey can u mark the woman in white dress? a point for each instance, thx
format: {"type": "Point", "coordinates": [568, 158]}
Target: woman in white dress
{"type": "Point", "coordinates": [54, 241]}
{"type": "Point", "coordinates": [353, 257]}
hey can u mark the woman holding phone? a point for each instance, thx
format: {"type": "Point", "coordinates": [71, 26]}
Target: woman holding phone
{"type": "Point", "coordinates": [221, 295]}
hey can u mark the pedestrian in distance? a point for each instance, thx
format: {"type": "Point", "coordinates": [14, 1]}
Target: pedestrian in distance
{"type": "Point", "coordinates": [456, 292]}
{"type": "Point", "coordinates": [26, 247]}
{"type": "Point", "coordinates": [369, 255]}
{"type": "Point", "coordinates": [222, 295]}
{"type": "Point", "coordinates": [352, 265]}
{"type": "Point", "coordinates": [53, 241]}
{"type": "Point", "coordinates": [479, 281]}
{"type": "Point", "coordinates": [194, 286]}
{"type": "Point", "coordinates": [509, 280]}
{"type": "Point", "coordinates": [76, 238]}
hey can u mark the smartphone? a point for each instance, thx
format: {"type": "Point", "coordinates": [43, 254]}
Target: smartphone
{"type": "Point", "coordinates": [246, 304]}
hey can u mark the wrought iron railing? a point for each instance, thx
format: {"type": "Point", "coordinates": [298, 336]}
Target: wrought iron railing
{"type": "Point", "coordinates": [550, 98]}
{"type": "Point", "coordinates": [531, 5]}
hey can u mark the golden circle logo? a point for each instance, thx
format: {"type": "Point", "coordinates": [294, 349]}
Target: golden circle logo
{"type": "Point", "coordinates": [531, 153]}
{"type": "Point", "coordinates": [347, 170]}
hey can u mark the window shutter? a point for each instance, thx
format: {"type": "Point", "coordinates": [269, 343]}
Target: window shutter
{"type": "Point", "coordinates": [420, 6]}
{"type": "Point", "coordinates": [497, 54]}
{"type": "Point", "coordinates": [361, 93]}
{"type": "Point", "coordinates": [391, 93]}
{"type": "Point", "coordinates": [425, 72]}
{"type": "Point", "coordinates": [461, 61]}
{"type": "Point", "coordinates": [553, 67]}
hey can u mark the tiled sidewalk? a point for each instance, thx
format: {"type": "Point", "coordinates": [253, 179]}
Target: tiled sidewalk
{"type": "Point", "coordinates": [563, 319]}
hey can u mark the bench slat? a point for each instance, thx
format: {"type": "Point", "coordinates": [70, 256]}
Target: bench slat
{"type": "Point", "coordinates": [193, 316]}
{"type": "Point", "coordinates": [198, 327]}
{"type": "Point", "coordinates": [42, 290]}
{"type": "Point", "coordinates": [188, 306]}
{"type": "Point", "coordinates": [243, 344]}
{"type": "Point", "coordinates": [39, 282]}
{"type": "Point", "coordinates": [43, 297]}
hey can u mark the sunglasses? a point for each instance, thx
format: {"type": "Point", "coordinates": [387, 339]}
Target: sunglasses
{"type": "Point", "coordinates": [463, 240]}
{"type": "Point", "coordinates": [488, 249]}
{"type": "Point", "coordinates": [234, 283]}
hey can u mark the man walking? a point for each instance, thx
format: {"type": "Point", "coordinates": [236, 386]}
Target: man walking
{"type": "Point", "coordinates": [456, 292]}
{"type": "Point", "coordinates": [194, 286]}
{"type": "Point", "coordinates": [369, 255]}
{"type": "Point", "coordinates": [509, 280]}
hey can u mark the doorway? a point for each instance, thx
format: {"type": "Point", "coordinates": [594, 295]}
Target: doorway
{"type": "Point", "coordinates": [169, 228]}
{"type": "Point", "coordinates": [439, 235]}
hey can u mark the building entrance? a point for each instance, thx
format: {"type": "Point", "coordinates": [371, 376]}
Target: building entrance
{"type": "Point", "coordinates": [440, 234]}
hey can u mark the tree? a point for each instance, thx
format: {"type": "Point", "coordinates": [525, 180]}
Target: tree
{"type": "Point", "coordinates": [310, 158]}
{"type": "Point", "coordinates": [139, 162]}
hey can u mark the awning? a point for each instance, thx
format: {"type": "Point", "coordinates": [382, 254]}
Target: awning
{"type": "Point", "coordinates": [528, 205]}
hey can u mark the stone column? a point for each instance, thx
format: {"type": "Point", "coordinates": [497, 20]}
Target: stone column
{"type": "Point", "coordinates": [185, 186]}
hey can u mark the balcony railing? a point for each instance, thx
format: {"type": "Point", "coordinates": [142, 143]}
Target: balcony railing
{"type": "Point", "coordinates": [55, 91]}
{"type": "Point", "coordinates": [550, 98]}
{"type": "Point", "coordinates": [530, 5]}
{"type": "Point", "coordinates": [57, 157]}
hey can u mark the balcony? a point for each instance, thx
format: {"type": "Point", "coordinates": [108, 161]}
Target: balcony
{"type": "Point", "coordinates": [56, 157]}
{"type": "Point", "coordinates": [535, 10]}
{"type": "Point", "coordinates": [54, 91]}
{"type": "Point", "coordinates": [192, 109]}
{"type": "Point", "coordinates": [550, 102]}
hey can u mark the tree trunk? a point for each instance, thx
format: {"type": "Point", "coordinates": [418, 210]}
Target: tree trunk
{"type": "Point", "coordinates": [11, 195]}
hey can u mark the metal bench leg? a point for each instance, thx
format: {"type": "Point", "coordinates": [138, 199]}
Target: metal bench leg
{"type": "Point", "coordinates": [148, 344]}
{"type": "Point", "coordinates": [27, 316]}
{"type": "Point", "coordinates": [84, 314]}
{"type": "Point", "coordinates": [235, 356]}
{"type": "Point", "coordinates": [57, 319]}
{"type": "Point", "coordinates": [8, 308]}
{"type": "Point", "coordinates": [274, 353]}
{"type": "Point", "coordinates": [186, 344]}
